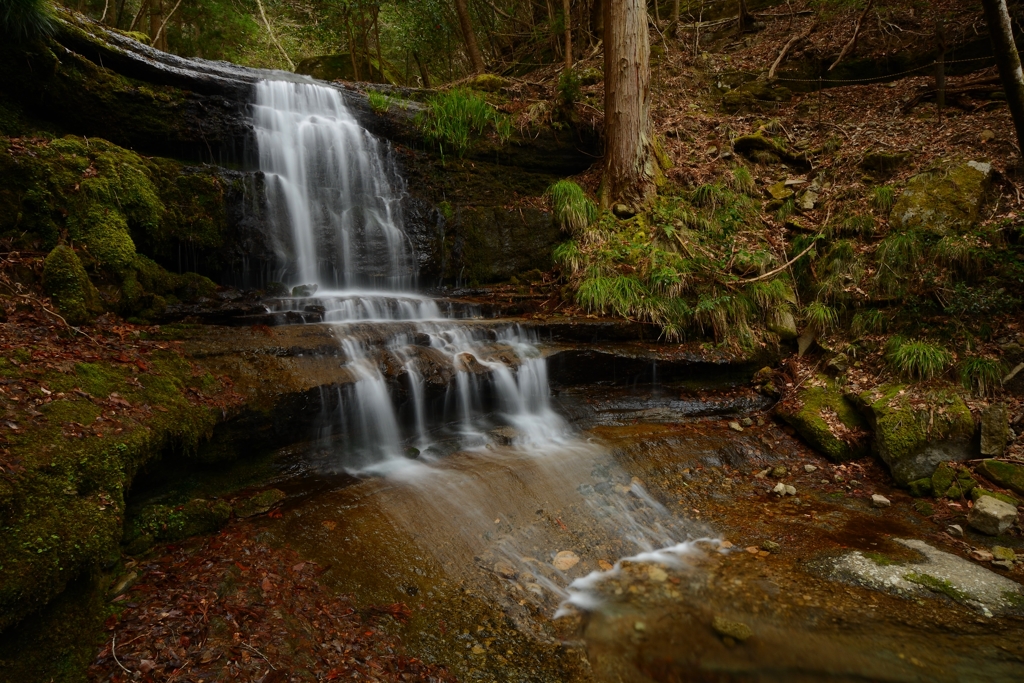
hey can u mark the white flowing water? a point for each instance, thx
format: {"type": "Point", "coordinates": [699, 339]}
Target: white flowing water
{"type": "Point", "coordinates": [458, 414]}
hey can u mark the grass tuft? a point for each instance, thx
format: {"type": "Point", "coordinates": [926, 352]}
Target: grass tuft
{"type": "Point", "coordinates": [883, 199]}
{"type": "Point", "coordinates": [379, 102]}
{"type": "Point", "coordinates": [26, 19]}
{"type": "Point", "coordinates": [453, 117]}
{"type": "Point", "coordinates": [916, 359]}
{"type": "Point", "coordinates": [869, 321]}
{"type": "Point", "coordinates": [742, 181]}
{"type": "Point", "coordinates": [574, 211]}
{"type": "Point", "coordinates": [821, 317]}
{"type": "Point", "coordinates": [569, 256]}
{"type": "Point", "coordinates": [983, 376]}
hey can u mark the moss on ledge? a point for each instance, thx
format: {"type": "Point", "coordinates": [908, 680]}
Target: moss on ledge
{"type": "Point", "coordinates": [828, 421]}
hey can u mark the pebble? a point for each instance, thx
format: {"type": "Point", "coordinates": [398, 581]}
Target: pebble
{"type": "Point", "coordinates": [955, 530]}
{"type": "Point", "coordinates": [1002, 553]}
{"type": "Point", "coordinates": [640, 626]}
{"type": "Point", "coordinates": [505, 569]}
{"type": "Point", "coordinates": [810, 468]}
{"type": "Point", "coordinates": [1003, 564]}
{"type": "Point", "coordinates": [779, 471]}
{"type": "Point", "coordinates": [605, 565]}
{"type": "Point", "coordinates": [981, 555]}
{"type": "Point", "coordinates": [735, 426]}
{"type": "Point", "coordinates": [771, 546]}
{"type": "Point", "coordinates": [784, 489]}
{"type": "Point", "coordinates": [879, 501]}
{"type": "Point", "coordinates": [657, 574]}
{"type": "Point", "coordinates": [728, 628]}
{"type": "Point", "coordinates": [565, 560]}
{"type": "Point", "coordinates": [747, 422]}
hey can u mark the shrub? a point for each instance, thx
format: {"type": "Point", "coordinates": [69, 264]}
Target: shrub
{"type": "Point", "coordinates": [573, 210]}
{"type": "Point", "coordinates": [569, 88]}
{"type": "Point", "coordinates": [916, 359]}
{"type": "Point", "coordinates": [982, 375]}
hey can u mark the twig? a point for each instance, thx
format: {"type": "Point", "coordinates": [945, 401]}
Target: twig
{"type": "Point", "coordinates": [780, 268]}
{"type": "Point", "coordinates": [260, 654]}
{"type": "Point", "coordinates": [113, 652]}
{"type": "Point", "coordinates": [856, 33]}
{"type": "Point", "coordinates": [273, 37]}
{"type": "Point", "coordinates": [792, 41]}
{"type": "Point", "coordinates": [53, 313]}
{"type": "Point", "coordinates": [166, 19]}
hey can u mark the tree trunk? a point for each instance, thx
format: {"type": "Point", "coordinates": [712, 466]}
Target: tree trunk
{"type": "Point", "coordinates": [629, 168]}
{"type": "Point", "coordinates": [376, 37]}
{"type": "Point", "coordinates": [423, 70]}
{"type": "Point", "coordinates": [352, 49]}
{"type": "Point", "coordinates": [475, 57]}
{"type": "Point", "coordinates": [568, 33]}
{"type": "Point", "coordinates": [156, 17]}
{"type": "Point", "coordinates": [597, 19]}
{"type": "Point", "coordinates": [743, 16]}
{"type": "Point", "coordinates": [999, 27]}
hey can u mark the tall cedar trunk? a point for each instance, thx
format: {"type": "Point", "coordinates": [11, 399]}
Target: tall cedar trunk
{"type": "Point", "coordinates": [352, 49]}
{"type": "Point", "coordinates": [629, 151]}
{"type": "Point", "coordinates": [597, 18]}
{"type": "Point", "coordinates": [999, 27]}
{"type": "Point", "coordinates": [743, 16]}
{"type": "Point", "coordinates": [376, 37]}
{"type": "Point", "coordinates": [568, 33]}
{"type": "Point", "coordinates": [467, 33]}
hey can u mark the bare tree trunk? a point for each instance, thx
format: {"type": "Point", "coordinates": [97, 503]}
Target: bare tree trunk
{"type": "Point", "coordinates": [423, 70]}
{"type": "Point", "coordinates": [597, 19]}
{"type": "Point", "coordinates": [743, 15]}
{"type": "Point", "coordinates": [472, 48]}
{"type": "Point", "coordinates": [629, 169]}
{"type": "Point", "coordinates": [376, 36]}
{"type": "Point", "coordinates": [568, 33]}
{"type": "Point", "coordinates": [999, 27]}
{"type": "Point", "coordinates": [352, 49]}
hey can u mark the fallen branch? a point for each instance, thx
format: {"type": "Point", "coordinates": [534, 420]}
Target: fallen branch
{"type": "Point", "coordinates": [113, 652]}
{"type": "Point", "coordinates": [785, 49]}
{"type": "Point", "coordinates": [856, 33]}
{"type": "Point", "coordinates": [780, 268]}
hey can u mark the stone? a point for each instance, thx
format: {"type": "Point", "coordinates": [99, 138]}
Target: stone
{"type": "Point", "coordinates": [847, 440]}
{"type": "Point", "coordinates": [992, 516]}
{"type": "Point", "coordinates": [504, 569]}
{"type": "Point", "coordinates": [838, 364]}
{"type": "Point", "coordinates": [955, 530]}
{"type": "Point", "coordinates": [771, 546]}
{"type": "Point", "coordinates": [805, 341]}
{"type": "Point", "coordinates": [981, 555]}
{"type": "Point", "coordinates": [995, 428]}
{"type": "Point", "coordinates": [883, 162]}
{"type": "Point", "coordinates": [987, 135]}
{"type": "Point", "coordinates": [487, 82]}
{"type": "Point", "coordinates": [124, 583]}
{"type": "Point", "coordinates": [810, 468]}
{"type": "Point", "coordinates": [780, 489]}
{"type": "Point", "coordinates": [790, 490]}
{"type": "Point", "coordinates": [735, 426]}
{"type": "Point", "coordinates": [259, 503]}
{"type": "Point", "coordinates": [565, 560]}
{"type": "Point", "coordinates": [780, 191]}
{"type": "Point", "coordinates": [920, 488]}
{"type": "Point", "coordinates": [807, 200]}
{"type": "Point", "coordinates": [978, 492]}
{"type": "Point", "coordinates": [879, 501]}
{"type": "Point", "coordinates": [304, 290]}
{"type": "Point", "coordinates": [1003, 473]}
{"type": "Point", "coordinates": [1003, 553]}
{"type": "Point", "coordinates": [913, 438]}
{"type": "Point", "coordinates": [747, 422]}
{"type": "Point", "coordinates": [783, 324]}
{"type": "Point", "coordinates": [622, 211]}
{"type": "Point", "coordinates": [944, 200]}
{"type": "Point", "coordinates": [657, 574]}
{"type": "Point", "coordinates": [779, 471]}
{"type": "Point", "coordinates": [1003, 564]}
{"type": "Point", "coordinates": [67, 284]}
{"type": "Point", "coordinates": [727, 628]}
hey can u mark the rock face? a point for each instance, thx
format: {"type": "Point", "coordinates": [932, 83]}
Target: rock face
{"type": "Point", "coordinates": [991, 516]}
{"type": "Point", "coordinates": [913, 437]}
{"type": "Point", "coordinates": [995, 430]}
{"type": "Point", "coordinates": [828, 421]}
{"type": "Point", "coordinates": [944, 200]}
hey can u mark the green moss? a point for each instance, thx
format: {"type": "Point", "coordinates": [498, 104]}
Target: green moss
{"type": "Point", "coordinates": [158, 523]}
{"type": "Point", "coordinates": [943, 479]}
{"type": "Point", "coordinates": [258, 503]}
{"type": "Point", "coordinates": [880, 559]}
{"type": "Point", "coordinates": [977, 492]}
{"type": "Point", "coordinates": [487, 83]}
{"type": "Point", "coordinates": [944, 200]}
{"type": "Point", "coordinates": [920, 488]}
{"type": "Point", "coordinates": [937, 585]}
{"type": "Point", "coordinates": [67, 284]}
{"type": "Point", "coordinates": [808, 419]}
{"type": "Point", "coordinates": [1003, 473]}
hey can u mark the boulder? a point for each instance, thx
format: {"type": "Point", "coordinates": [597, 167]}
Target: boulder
{"type": "Point", "coordinates": [828, 421]}
{"type": "Point", "coordinates": [784, 324]}
{"type": "Point", "coordinates": [995, 430]}
{"type": "Point", "coordinates": [944, 200]}
{"type": "Point", "coordinates": [912, 438]}
{"type": "Point", "coordinates": [67, 284]}
{"type": "Point", "coordinates": [1003, 473]}
{"type": "Point", "coordinates": [992, 516]}
{"type": "Point", "coordinates": [883, 162]}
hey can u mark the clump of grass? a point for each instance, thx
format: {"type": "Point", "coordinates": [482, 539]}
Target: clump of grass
{"type": "Point", "coordinates": [787, 209]}
{"type": "Point", "coordinates": [569, 256]}
{"type": "Point", "coordinates": [869, 321]}
{"type": "Point", "coordinates": [573, 210]}
{"type": "Point", "coordinates": [982, 375]}
{"type": "Point", "coordinates": [709, 196]}
{"type": "Point", "coordinates": [917, 359]}
{"type": "Point", "coordinates": [959, 252]}
{"type": "Point", "coordinates": [379, 102]}
{"type": "Point", "coordinates": [452, 117]}
{"type": "Point", "coordinates": [883, 198]}
{"type": "Point", "coordinates": [569, 88]}
{"type": "Point", "coordinates": [742, 181]}
{"type": "Point", "coordinates": [25, 19]}
{"type": "Point", "coordinates": [852, 225]}
{"type": "Point", "coordinates": [821, 317]}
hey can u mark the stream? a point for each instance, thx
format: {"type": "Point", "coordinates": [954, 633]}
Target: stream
{"type": "Point", "coordinates": [585, 532]}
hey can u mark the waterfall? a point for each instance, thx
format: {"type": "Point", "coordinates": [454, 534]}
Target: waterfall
{"type": "Point", "coordinates": [333, 192]}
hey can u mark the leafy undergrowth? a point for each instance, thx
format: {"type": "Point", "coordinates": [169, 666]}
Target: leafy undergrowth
{"type": "Point", "coordinates": [229, 607]}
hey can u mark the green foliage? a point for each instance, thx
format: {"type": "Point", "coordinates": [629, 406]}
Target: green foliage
{"type": "Point", "coordinates": [452, 118]}
{"type": "Point", "coordinates": [917, 359]}
{"type": "Point", "coordinates": [869, 321]}
{"type": "Point", "coordinates": [787, 209]}
{"type": "Point", "coordinates": [852, 225]}
{"type": "Point", "coordinates": [569, 88]}
{"type": "Point", "coordinates": [898, 255]}
{"type": "Point", "coordinates": [960, 252]}
{"type": "Point", "coordinates": [982, 375]}
{"type": "Point", "coordinates": [379, 102]}
{"type": "Point", "coordinates": [569, 256]}
{"type": "Point", "coordinates": [573, 210]}
{"type": "Point", "coordinates": [25, 19]}
{"type": "Point", "coordinates": [821, 317]}
{"type": "Point", "coordinates": [742, 181]}
{"type": "Point", "coordinates": [883, 198]}
{"type": "Point", "coordinates": [709, 196]}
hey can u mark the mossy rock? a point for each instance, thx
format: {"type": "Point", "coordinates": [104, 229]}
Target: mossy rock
{"type": "Point", "coordinates": [760, 147]}
{"type": "Point", "coordinates": [944, 200]}
{"type": "Point", "coordinates": [883, 163]}
{"type": "Point", "coordinates": [259, 503]}
{"type": "Point", "coordinates": [67, 284]}
{"type": "Point", "coordinates": [919, 488]}
{"type": "Point", "coordinates": [749, 95]}
{"type": "Point", "coordinates": [487, 83]}
{"type": "Point", "coordinates": [167, 523]}
{"type": "Point", "coordinates": [977, 492]}
{"type": "Point", "coordinates": [1003, 473]}
{"type": "Point", "coordinates": [844, 439]}
{"type": "Point", "coordinates": [913, 441]}
{"type": "Point", "coordinates": [950, 482]}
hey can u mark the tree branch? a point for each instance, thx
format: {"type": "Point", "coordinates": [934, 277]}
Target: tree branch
{"type": "Point", "coordinates": [785, 49]}
{"type": "Point", "coordinates": [273, 37]}
{"type": "Point", "coordinates": [856, 32]}
{"type": "Point", "coordinates": [166, 19]}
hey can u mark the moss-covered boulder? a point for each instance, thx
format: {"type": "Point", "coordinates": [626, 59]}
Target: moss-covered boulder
{"type": "Point", "coordinates": [827, 420]}
{"type": "Point", "coordinates": [1005, 474]}
{"type": "Point", "coordinates": [914, 432]}
{"type": "Point", "coordinates": [750, 94]}
{"type": "Point", "coordinates": [978, 491]}
{"type": "Point", "coordinates": [950, 482]}
{"type": "Point", "coordinates": [67, 284]}
{"type": "Point", "coordinates": [944, 200]}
